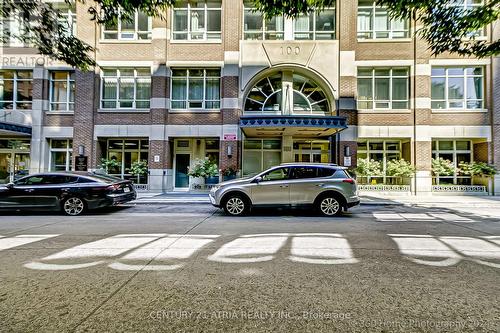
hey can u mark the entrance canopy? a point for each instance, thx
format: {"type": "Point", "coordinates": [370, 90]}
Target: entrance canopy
{"type": "Point", "coordinates": [7, 129]}
{"type": "Point", "coordinates": [296, 126]}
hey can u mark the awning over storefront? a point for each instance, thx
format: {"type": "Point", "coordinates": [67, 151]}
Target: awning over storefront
{"type": "Point", "coordinates": [8, 129]}
{"type": "Point", "coordinates": [297, 126]}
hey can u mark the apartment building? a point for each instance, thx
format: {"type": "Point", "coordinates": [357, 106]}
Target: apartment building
{"type": "Point", "coordinates": [216, 80]}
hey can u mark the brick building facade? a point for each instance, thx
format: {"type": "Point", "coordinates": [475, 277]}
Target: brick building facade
{"type": "Point", "coordinates": [215, 80]}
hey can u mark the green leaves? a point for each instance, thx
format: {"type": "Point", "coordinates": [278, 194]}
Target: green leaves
{"type": "Point", "coordinates": [367, 167]}
{"type": "Point", "coordinates": [442, 167]}
{"type": "Point", "coordinates": [290, 8]}
{"type": "Point", "coordinates": [139, 168]}
{"type": "Point", "coordinates": [477, 169]}
{"type": "Point", "coordinates": [203, 168]}
{"type": "Point", "coordinates": [400, 168]}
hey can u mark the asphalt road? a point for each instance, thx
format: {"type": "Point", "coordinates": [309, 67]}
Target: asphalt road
{"type": "Point", "coordinates": [176, 268]}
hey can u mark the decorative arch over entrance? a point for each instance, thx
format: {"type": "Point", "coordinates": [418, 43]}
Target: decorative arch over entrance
{"type": "Point", "coordinates": [288, 92]}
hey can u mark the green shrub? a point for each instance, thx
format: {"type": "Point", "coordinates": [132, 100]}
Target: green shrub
{"type": "Point", "coordinates": [477, 169]}
{"type": "Point", "coordinates": [442, 167]}
{"type": "Point", "coordinates": [400, 168]}
{"type": "Point", "coordinates": [203, 168]}
{"type": "Point", "coordinates": [366, 168]}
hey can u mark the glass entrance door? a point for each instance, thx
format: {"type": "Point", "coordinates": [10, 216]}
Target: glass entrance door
{"type": "Point", "coordinates": [181, 170]}
{"type": "Point", "coordinates": [13, 166]}
{"type": "Point", "coordinates": [21, 165]}
{"type": "Point", "coordinates": [311, 151]}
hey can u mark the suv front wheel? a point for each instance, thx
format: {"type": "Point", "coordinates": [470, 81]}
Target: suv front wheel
{"type": "Point", "coordinates": [236, 205]}
{"type": "Point", "coordinates": [329, 205]}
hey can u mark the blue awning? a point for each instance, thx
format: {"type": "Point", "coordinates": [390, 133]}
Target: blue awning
{"type": "Point", "coordinates": [15, 128]}
{"type": "Point", "coordinates": [292, 125]}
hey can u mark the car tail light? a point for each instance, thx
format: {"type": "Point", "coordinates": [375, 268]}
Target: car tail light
{"type": "Point", "coordinates": [349, 180]}
{"type": "Point", "coordinates": [113, 187]}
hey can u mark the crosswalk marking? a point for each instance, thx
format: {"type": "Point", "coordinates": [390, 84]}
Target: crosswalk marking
{"type": "Point", "coordinates": [11, 242]}
{"type": "Point", "coordinates": [428, 217]}
{"type": "Point", "coordinates": [473, 247]}
{"type": "Point", "coordinates": [261, 248]}
{"type": "Point", "coordinates": [321, 249]}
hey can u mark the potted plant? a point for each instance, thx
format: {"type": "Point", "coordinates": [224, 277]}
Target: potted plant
{"type": "Point", "coordinates": [442, 167]}
{"type": "Point", "coordinates": [204, 171]}
{"type": "Point", "coordinates": [229, 173]}
{"type": "Point", "coordinates": [400, 169]}
{"type": "Point", "coordinates": [139, 169]}
{"type": "Point", "coordinates": [110, 165]}
{"type": "Point", "coordinates": [368, 168]}
{"type": "Point", "coordinates": [480, 172]}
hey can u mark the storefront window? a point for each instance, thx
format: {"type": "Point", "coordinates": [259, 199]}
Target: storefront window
{"type": "Point", "coordinates": [382, 152]}
{"type": "Point", "coordinates": [212, 150]}
{"type": "Point", "coordinates": [455, 151]}
{"type": "Point", "coordinates": [125, 152]}
{"type": "Point", "coordinates": [61, 155]}
{"type": "Point", "coordinates": [260, 154]}
{"type": "Point", "coordinates": [14, 159]}
{"type": "Point", "coordinates": [311, 151]}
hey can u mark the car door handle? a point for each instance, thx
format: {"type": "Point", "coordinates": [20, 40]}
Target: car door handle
{"type": "Point", "coordinates": [284, 186]}
{"type": "Point", "coordinates": [29, 190]}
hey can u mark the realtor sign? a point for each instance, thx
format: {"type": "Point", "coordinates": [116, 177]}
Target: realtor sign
{"type": "Point", "coordinates": [230, 137]}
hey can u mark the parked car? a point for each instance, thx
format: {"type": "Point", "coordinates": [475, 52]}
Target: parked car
{"type": "Point", "coordinates": [72, 193]}
{"type": "Point", "coordinates": [328, 188]}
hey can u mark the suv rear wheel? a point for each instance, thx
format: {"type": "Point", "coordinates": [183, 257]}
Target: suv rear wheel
{"type": "Point", "coordinates": [236, 205]}
{"type": "Point", "coordinates": [329, 205]}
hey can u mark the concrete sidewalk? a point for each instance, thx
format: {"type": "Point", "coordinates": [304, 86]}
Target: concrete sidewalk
{"type": "Point", "coordinates": [372, 199]}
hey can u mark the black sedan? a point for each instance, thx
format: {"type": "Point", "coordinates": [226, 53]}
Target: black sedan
{"type": "Point", "coordinates": [71, 193]}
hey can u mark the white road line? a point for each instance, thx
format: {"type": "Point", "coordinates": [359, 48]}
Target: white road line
{"type": "Point", "coordinates": [321, 249]}
{"type": "Point", "coordinates": [473, 247]}
{"type": "Point", "coordinates": [260, 248]}
{"type": "Point", "coordinates": [451, 217]}
{"type": "Point", "coordinates": [11, 242]}
{"type": "Point", "coordinates": [167, 248]}
{"type": "Point", "coordinates": [418, 217]}
{"type": "Point", "coordinates": [388, 217]}
{"type": "Point", "coordinates": [419, 246]}
{"type": "Point", "coordinates": [108, 247]}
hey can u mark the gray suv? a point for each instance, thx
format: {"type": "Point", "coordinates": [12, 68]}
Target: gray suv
{"type": "Point", "coordinates": [328, 188]}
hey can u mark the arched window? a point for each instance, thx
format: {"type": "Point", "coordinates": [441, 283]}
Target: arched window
{"type": "Point", "coordinates": [287, 95]}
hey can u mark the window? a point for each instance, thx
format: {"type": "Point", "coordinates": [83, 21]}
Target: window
{"type": "Point", "coordinates": [16, 89]}
{"type": "Point", "coordinates": [316, 25]}
{"type": "Point", "coordinates": [33, 180]}
{"type": "Point", "coordinates": [68, 14]}
{"type": "Point", "coordinates": [61, 154]}
{"type": "Point", "coordinates": [255, 27]}
{"type": "Point", "coordinates": [197, 20]}
{"type": "Point", "coordinates": [195, 88]}
{"type": "Point", "coordinates": [125, 153]}
{"type": "Point", "coordinates": [382, 152]}
{"type": "Point", "coordinates": [383, 88]}
{"type": "Point", "coordinates": [467, 5]}
{"type": "Point", "coordinates": [212, 150]}
{"type": "Point", "coordinates": [126, 88]}
{"type": "Point", "coordinates": [374, 22]}
{"type": "Point", "coordinates": [62, 91]}
{"type": "Point", "coordinates": [316, 151]}
{"type": "Point", "coordinates": [260, 154]}
{"type": "Point", "coordinates": [12, 28]}
{"type": "Point", "coordinates": [306, 96]}
{"type": "Point", "coordinates": [456, 151]}
{"type": "Point", "coordinates": [276, 174]}
{"type": "Point", "coordinates": [457, 87]}
{"type": "Point", "coordinates": [138, 28]}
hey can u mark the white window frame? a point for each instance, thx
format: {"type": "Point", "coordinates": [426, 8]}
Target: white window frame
{"type": "Point", "coordinates": [16, 80]}
{"type": "Point", "coordinates": [118, 78]}
{"type": "Point", "coordinates": [263, 31]}
{"type": "Point", "coordinates": [188, 100]}
{"type": "Point", "coordinates": [14, 20]}
{"type": "Point", "coordinates": [189, 31]}
{"type": "Point", "coordinates": [314, 30]}
{"type": "Point", "coordinates": [68, 12]}
{"type": "Point", "coordinates": [465, 76]}
{"type": "Point", "coordinates": [68, 150]}
{"type": "Point", "coordinates": [261, 150]}
{"type": "Point", "coordinates": [373, 32]}
{"type": "Point", "coordinates": [480, 33]}
{"type": "Point", "coordinates": [384, 151]}
{"type": "Point", "coordinates": [391, 77]}
{"type": "Point", "coordinates": [68, 92]}
{"type": "Point", "coordinates": [135, 36]}
{"type": "Point", "coordinates": [436, 154]}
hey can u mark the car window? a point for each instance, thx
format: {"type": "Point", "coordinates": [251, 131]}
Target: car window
{"type": "Point", "coordinates": [86, 180]}
{"type": "Point", "coordinates": [340, 174]}
{"type": "Point", "coordinates": [33, 180]}
{"type": "Point", "coordinates": [59, 179]}
{"type": "Point", "coordinates": [304, 172]}
{"type": "Point", "coordinates": [326, 172]}
{"type": "Point", "coordinates": [276, 174]}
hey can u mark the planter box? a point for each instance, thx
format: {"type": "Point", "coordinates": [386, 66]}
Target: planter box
{"type": "Point", "coordinates": [229, 177]}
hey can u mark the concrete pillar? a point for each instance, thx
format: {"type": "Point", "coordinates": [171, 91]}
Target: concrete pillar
{"type": "Point", "coordinates": [39, 106]}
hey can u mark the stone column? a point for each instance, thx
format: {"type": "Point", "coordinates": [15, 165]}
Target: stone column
{"type": "Point", "coordinates": [39, 106]}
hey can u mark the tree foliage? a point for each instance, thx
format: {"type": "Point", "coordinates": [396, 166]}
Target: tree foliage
{"type": "Point", "coordinates": [445, 28]}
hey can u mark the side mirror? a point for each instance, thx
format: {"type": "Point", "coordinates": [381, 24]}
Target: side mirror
{"type": "Point", "coordinates": [10, 185]}
{"type": "Point", "coordinates": [257, 180]}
